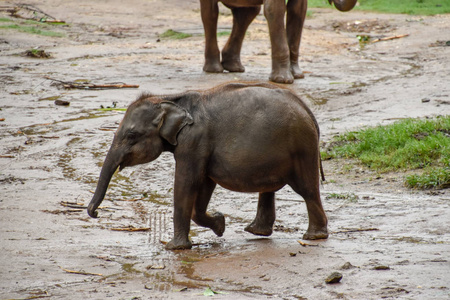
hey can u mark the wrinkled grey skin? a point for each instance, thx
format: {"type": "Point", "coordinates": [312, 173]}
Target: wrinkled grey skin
{"type": "Point", "coordinates": [244, 137]}
{"type": "Point", "coordinates": [284, 38]}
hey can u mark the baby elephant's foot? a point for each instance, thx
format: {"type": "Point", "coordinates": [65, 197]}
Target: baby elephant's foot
{"type": "Point", "coordinates": [219, 223]}
{"type": "Point", "coordinates": [258, 229]}
{"type": "Point", "coordinates": [316, 234]}
{"type": "Point", "coordinates": [178, 245]}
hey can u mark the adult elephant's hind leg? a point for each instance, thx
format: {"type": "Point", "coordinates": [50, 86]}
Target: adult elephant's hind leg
{"type": "Point", "coordinates": [274, 11]}
{"type": "Point", "coordinates": [265, 215]}
{"type": "Point", "coordinates": [210, 15]}
{"type": "Point", "coordinates": [216, 221]}
{"type": "Point", "coordinates": [231, 53]}
{"type": "Point", "coordinates": [296, 14]}
{"type": "Point", "coordinates": [306, 183]}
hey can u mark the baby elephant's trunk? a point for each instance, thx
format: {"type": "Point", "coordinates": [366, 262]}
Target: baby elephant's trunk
{"type": "Point", "coordinates": [109, 168]}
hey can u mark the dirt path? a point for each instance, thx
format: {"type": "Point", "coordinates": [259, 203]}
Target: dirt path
{"type": "Point", "coordinates": [387, 241]}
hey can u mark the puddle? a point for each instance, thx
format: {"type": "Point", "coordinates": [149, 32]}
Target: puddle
{"type": "Point", "coordinates": [316, 100]}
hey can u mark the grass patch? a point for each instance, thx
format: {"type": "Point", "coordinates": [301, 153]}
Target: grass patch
{"type": "Point", "coordinates": [175, 35]}
{"type": "Point", "coordinates": [112, 109]}
{"type": "Point", "coordinates": [410, 7]}
{"type": "Point", "coordinates": [346, 196]}
{"type": "Point", "coordinates": [37, 53]}
{"type": "Point", "coordinates": [432, 178]}
{"type": "Point", "coordinates": [223, 33]}
{"type": "Point", "coordinates": [32, 30]}
{"type": "Point", "coordinates": [405, 145]}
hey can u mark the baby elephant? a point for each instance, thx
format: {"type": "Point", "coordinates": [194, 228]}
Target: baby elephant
{"type": "Point", "coordinates": [245, 137]}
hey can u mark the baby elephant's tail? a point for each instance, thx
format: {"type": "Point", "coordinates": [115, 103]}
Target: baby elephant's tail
{"type": "Point", "coordinates": [321, 168]}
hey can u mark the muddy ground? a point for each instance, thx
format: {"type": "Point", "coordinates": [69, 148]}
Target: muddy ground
{"type": "Point", "coordinates": [386, 240]}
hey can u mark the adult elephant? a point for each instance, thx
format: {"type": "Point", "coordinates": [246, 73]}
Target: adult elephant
{"type": "Point", "coordinates": [285, 40]}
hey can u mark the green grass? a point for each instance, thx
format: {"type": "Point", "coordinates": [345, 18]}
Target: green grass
{"type": "Point", "coordinates": [31, 27]}
{"type": "Point", "coordinates": [410, 7]}
{"type": "Point", "coordinates": [346, 196]}
{"type": "Point", "coordinates": [405, 145]}
{"type": "Point", "coordinates": [435, 177]}
{"type": "Point", "coordinates": [112, 109]}
{"type": "Point", "coordinates": [223, 33]}
{"type": "Point", "coordinates": [175, 35]}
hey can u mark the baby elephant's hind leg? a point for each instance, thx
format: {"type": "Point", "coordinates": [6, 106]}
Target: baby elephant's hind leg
{"type": "Point", "coordinates": [306, 184]}
{"type": "Point", "coordinates": [215, 221]}
{"type": "Point", "coordinates": [265, 215]}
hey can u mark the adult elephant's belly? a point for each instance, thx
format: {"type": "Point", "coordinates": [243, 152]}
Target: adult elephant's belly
{"type": "Point", "coordinates": [242, 3]}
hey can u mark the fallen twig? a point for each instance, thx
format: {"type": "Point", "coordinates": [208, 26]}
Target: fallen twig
{"type": "Point", "coordinates": [390, 38]}
{"type": "Point", "coordinates": [80, 272]}
{"type": "Point", "coordinates": [58, 211]}
{"type": "Point", "coordinates": [112, 200]}
{"type": "Point", "coordinates": [91, 86]}
{"type": "Point", "coordinates": [356, 230]}
{"type": "Point", "coordinates": [6, 156]}
{"type": "Point", "coordinates": [33, 12]}
{"type": "Point", "coordinates": [305, 244]}
{"type": "Point", "coordinates": [72, 204]}
{"type": "Point", "coordinates": [127, 200]}
{"type": "Point", "coordinates": [131, 229]}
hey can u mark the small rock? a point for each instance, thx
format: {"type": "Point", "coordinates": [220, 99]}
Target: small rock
{"type": "Point", "coordinates": [62, 102]}
{"type": "Point", "coordinates": [425, 100]}
{"type": "Point", "coordinates": [381, 267]}
{"type": "Point", "coordinates": [292, 254]}
{"type": "Point", "coordinates": [347, 266]}
{"type": "Point", "coordinates": [335, 277]}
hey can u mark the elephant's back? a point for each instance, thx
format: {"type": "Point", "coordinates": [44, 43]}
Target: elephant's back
{"type": "Point", "coordinates": [259, 118]}
{"type": "Point", "coordinates": [258, 105]}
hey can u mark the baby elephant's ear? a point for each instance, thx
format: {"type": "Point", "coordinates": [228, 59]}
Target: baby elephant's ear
{"type": "Point", "coordinates": [175, 118]}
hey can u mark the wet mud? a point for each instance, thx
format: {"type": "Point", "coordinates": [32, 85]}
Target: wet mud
{"type": "Point", "coordinates": [385, 240]}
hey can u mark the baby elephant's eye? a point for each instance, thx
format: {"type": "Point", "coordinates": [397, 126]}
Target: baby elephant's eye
{"type": "Point", "coordinates": [132, 135]}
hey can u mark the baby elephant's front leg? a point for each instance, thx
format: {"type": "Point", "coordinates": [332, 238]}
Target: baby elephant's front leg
{"type": "Point", "coordinates": [183, 201]}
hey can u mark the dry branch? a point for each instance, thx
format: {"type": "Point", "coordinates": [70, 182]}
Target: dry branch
{"type": "Point", "coordinates": [305, 244]}
{"type": "Point", "coordinates": [72, 204]}
{"type": "Point", "coordinates": [131, 229]}
{"type": "Point", "coordinates": [92, 86]}
{"type": "Point", "coordinates": [356, 230]}
{"type": "Point", "coordinates": [390, 38]}
{"type": "Point", "coordinates": [80, 272]}
{"type": "Point", "coordinates": [30, 12]}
